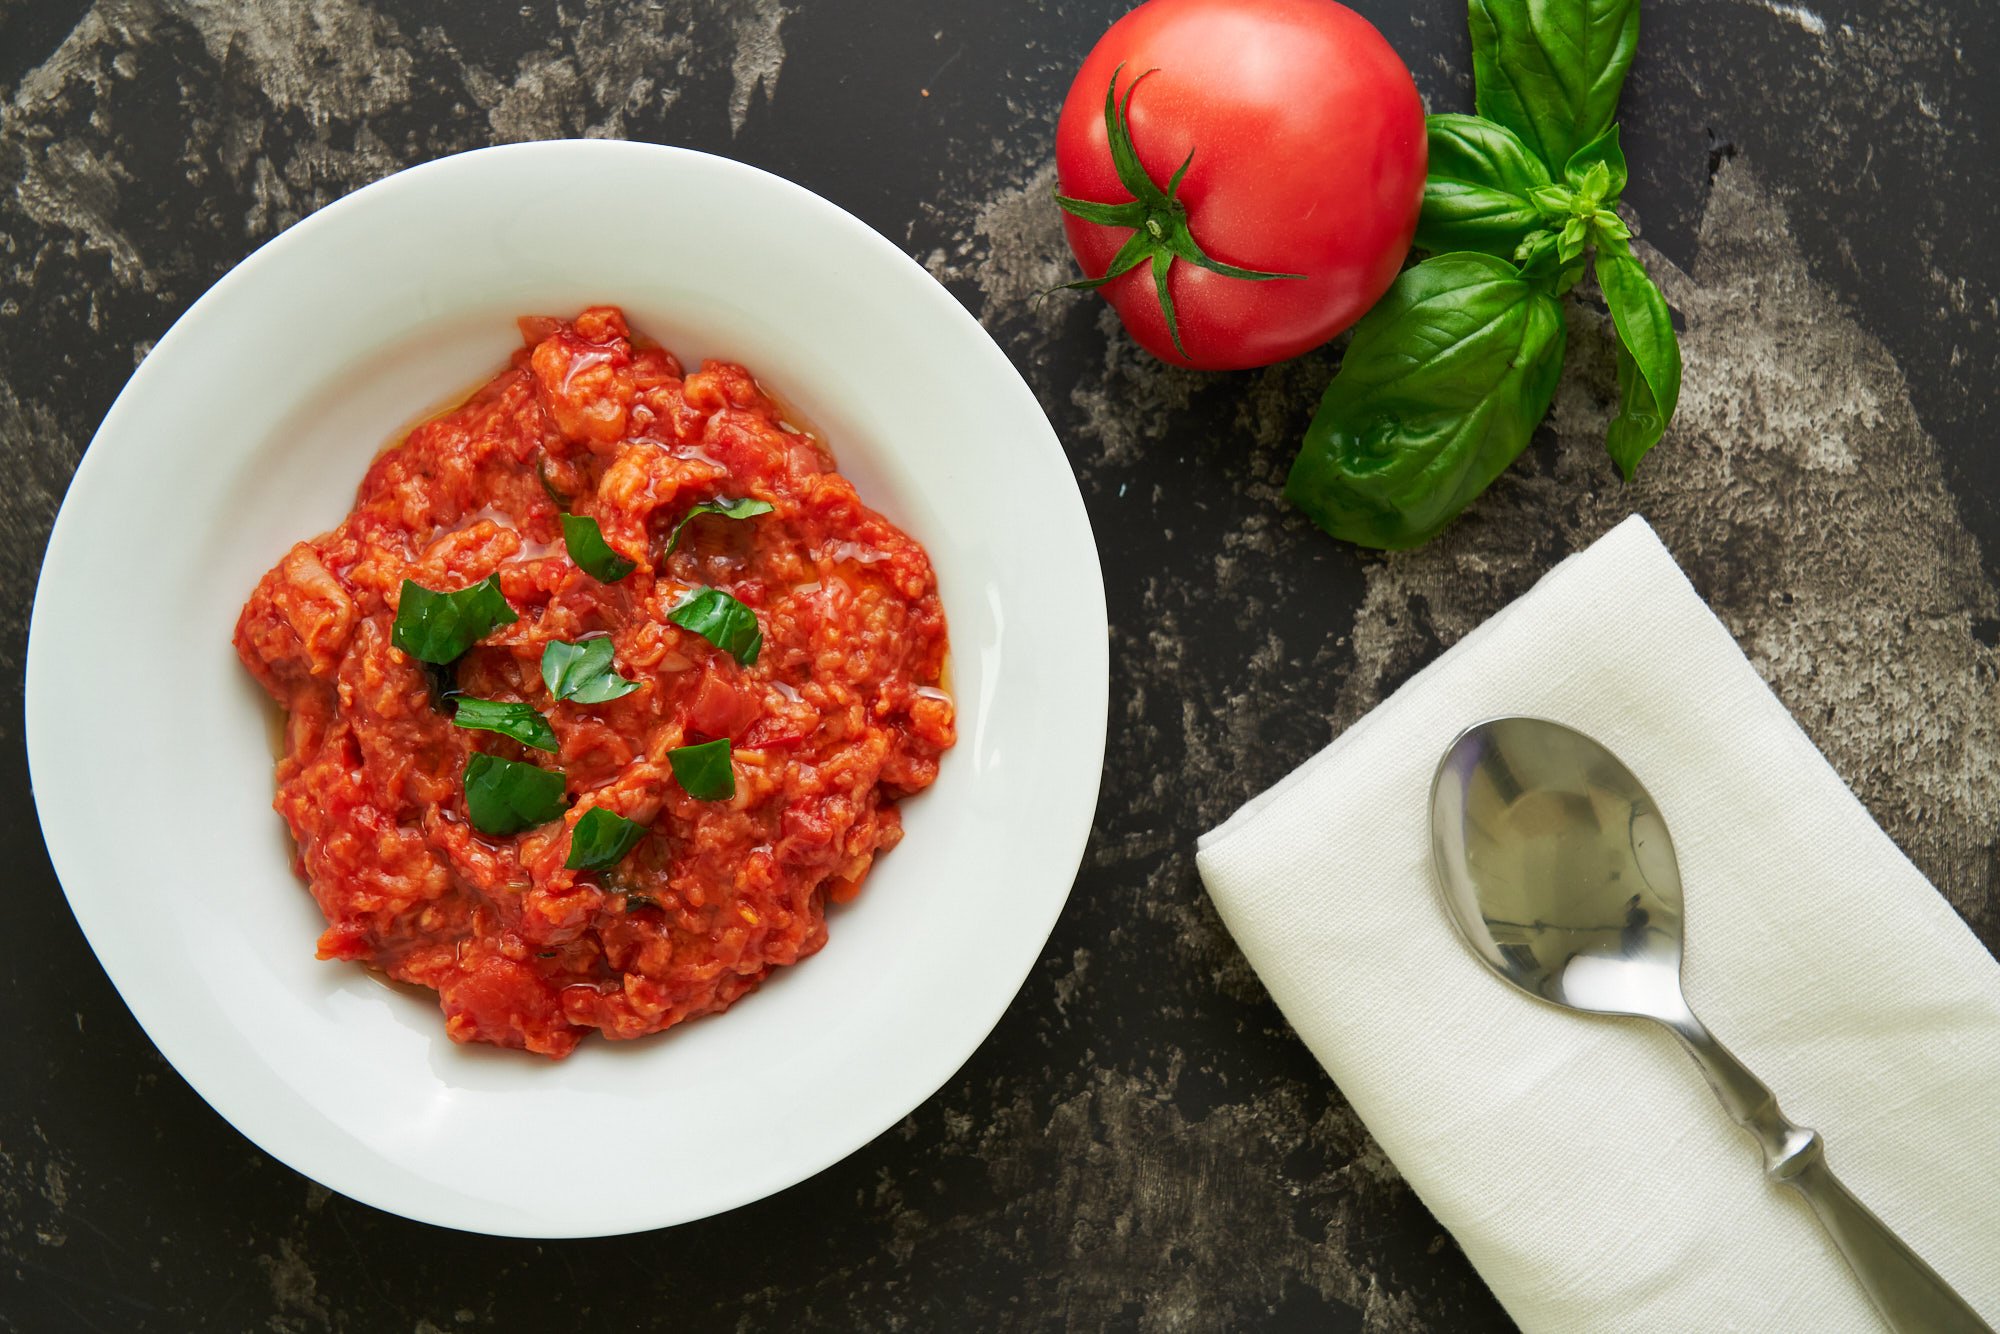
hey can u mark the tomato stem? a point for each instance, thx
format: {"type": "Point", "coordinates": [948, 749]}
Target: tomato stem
{"type": "Point", "coordinates": [1158, 219]}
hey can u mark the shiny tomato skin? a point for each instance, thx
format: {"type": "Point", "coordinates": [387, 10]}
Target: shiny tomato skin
{"type": "Point", "coordinates": [1309, 157]}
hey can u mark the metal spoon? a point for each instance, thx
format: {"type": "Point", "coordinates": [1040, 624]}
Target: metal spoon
{"type": "Point", "coordinates": [1557, 868]}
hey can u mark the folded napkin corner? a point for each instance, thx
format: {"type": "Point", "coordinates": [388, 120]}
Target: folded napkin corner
{"type": "Point", "coordinates": [1582, 1163]}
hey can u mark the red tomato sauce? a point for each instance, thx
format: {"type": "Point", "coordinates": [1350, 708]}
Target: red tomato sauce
{"type": "Point", "coordinates": [838, 719]}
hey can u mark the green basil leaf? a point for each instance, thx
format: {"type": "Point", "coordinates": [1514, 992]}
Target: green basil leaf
{"type": "Point", "coordinates": [583, 672]}
{"type": "Point", "coordinates": [1551, 70]}
{"type": "Point", "coordinates": [1649, 360]}
{"type": "Point", "coordinates": [519, 721]}
{"type": "Point", "coordinates": [1602, 151]}
{"type": "Point", "coordinates": [1478, 195]}
{"type": "Point", "coordinates": [1593, 182]}
{"type": "Point", "coordinates": [601, 838]}
{"type": "Point", "coordinates": [705, 771]}
{"type": "Point", "coordinates": [1556, 202]}
{"type": "Point", "coordinates": [722, 621]}
{"type": "Point", "coordinates": [504, 796]}
{"type": "Point", "coordinates": [1442, 386]}
{"type": "Point", "coordinates": [728, 509]}
{"type": "Point", "coordinates": [438, 627]}
{"type": "Point", "coordinates": [556, 498]}
{"type": "Point", "coordinates": [592, 554]}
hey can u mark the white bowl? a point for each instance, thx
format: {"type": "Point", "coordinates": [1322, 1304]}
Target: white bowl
{"type": "Point", "coordinates": [249, 426]}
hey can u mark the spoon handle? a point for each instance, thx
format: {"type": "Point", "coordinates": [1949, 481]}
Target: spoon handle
{"type": "Point", "coordinates": [1908, 1292]}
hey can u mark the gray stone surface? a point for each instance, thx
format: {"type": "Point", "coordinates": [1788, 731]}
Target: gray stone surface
{"type": "Point", "coordinates": [1141, 1144]}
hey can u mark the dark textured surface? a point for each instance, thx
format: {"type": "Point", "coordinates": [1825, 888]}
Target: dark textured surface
{"type": "Point", "coordinates": [1141, 1144]}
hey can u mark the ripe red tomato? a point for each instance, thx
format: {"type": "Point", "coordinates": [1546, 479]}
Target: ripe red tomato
{"type": "Point", "coordinates": [1308, 143]}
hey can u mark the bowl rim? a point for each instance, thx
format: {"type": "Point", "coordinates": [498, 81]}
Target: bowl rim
{"type": "Point", "coordinates": [1090, 665]}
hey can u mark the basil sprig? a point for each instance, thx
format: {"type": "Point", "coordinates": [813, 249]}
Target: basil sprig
{"type": "Point", "coordinates": [438, 627]}
{"type": "Point", "coordinates": [505, 796]}
{"type": "Point", "coordinates": [519, 721]}
{"type": "Point", "coordinates": [722, 621]}
{"type": "Point", "coordinates": [583, 672]}
{"type": "Point", "coordinates": [1449, 374]}
{"type": "Point", "coordinates": [601, 838]}
{"type": "Point", "coordinates": [728, 509]}
{"type": "Point", "coordinates": [593, 555]}
{"type": "Point", "coordinates": [705, 772]}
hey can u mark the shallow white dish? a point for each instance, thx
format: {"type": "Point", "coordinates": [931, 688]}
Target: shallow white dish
{"type": "Point", "coordinates": [249, 426]}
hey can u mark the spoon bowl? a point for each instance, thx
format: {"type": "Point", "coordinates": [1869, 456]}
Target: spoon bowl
{"type": "Point", "coordinates": [1555, 864]}
{"type": "Point", "coordinates": [1557, 867]}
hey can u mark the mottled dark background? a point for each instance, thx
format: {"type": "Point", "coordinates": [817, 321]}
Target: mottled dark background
{"type": "Point", "coordinates": [1141, 1144]}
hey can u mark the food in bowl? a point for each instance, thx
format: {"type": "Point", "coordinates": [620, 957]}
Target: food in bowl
{"type": "Point", "coordinates": [605, 688]}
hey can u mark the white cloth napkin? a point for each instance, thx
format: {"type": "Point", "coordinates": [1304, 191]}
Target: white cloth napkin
{"type": "Point", "coordinates": [1582, 1162]}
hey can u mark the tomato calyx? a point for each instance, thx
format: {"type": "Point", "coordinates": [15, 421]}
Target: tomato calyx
{"type": "Point", "coordinates": [1158, 218]}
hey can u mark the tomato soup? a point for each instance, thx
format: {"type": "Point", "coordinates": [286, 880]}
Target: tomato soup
{"type": "Point", "coordinates": [825, 687]}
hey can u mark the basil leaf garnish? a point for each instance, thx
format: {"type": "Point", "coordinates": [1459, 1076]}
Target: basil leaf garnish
{"type": "Point", "coordinates": [583, 672]}
{"type": "Point", "coordinates": [1649, 359]}
{"type": "Point", "coordinates": [438, 627]}
{"type": "Point", "coordinates": [1448, 375]}
{"type": "Point", "coordinates": [519, 721]}
{"type": "Point", "coordinates": [505, 796]}
{"type": "Point", "coordinates": [601, 838]}
{"type": "Point", "coordinates": [705, 771]}
{"type": "Point", "coordinates": [722, 621]}
{"type": "Point", "coordinates": [1552, 72]}
{"type": "Point", "coordinates": [728, 509]}
{"type": "Point", "coordinates": [1440, 389]}
{"type": "Point", "coordinates": [1479, 194]}
{"type": "Point", "coordinates": [592, 554]}
{"type": "Point", "coordinates": [556, 498]}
